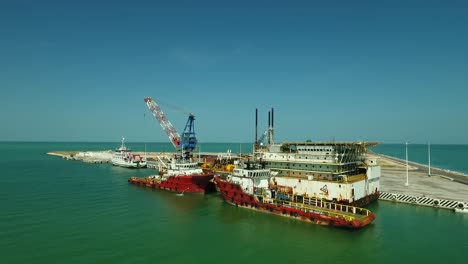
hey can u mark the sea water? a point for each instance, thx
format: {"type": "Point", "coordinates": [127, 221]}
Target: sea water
{"type": "Point", "coordinates": [58, 211]}
{"type": "Point", "coordinates": [449, 157]}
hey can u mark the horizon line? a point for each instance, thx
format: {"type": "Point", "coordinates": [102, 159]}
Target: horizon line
{"type": "Point", "coordinates": [160, 142]}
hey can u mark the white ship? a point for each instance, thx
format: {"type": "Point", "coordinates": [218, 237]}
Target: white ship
{"type": "Point", "coordinates": [250, 186]}
{"type": "Point", "coordinates": [339, 172]}
{"type": "Point", "coordinates": [124, 157]}
{"type": "Point", "coordinates": [335, 171]}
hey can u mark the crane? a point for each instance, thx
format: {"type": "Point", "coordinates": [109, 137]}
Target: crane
{"type": "Point", "coordinates": [264, 137]}
{"type": "Point", "coordinates": [188, 141]}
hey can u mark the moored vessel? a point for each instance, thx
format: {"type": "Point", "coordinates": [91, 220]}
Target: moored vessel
{"type": "Point", "coordinates": [249, 186]}
{"type": "Point", "coordinates": [181, 175]}
{"type": "Point", "coordinates": [338, 172]}
{"type": "Point", "coordinates": [124, 157]}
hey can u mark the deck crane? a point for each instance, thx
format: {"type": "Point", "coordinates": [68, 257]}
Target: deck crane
{"type": "Point", "coordinates": [188, 141]}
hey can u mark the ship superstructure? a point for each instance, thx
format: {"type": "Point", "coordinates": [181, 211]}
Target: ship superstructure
{"type": "Point", "coordinates": [334, 171]}
{"type": "Point", "coordinates": [249, 186]}
{"type": "Point", "coordinates": [340, 172]}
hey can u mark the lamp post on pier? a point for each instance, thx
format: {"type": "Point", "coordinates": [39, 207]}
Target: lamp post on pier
{"type": "Point", "coordinates": [406, 184]}
{"type": "Point", "coordinates": [429, 158]}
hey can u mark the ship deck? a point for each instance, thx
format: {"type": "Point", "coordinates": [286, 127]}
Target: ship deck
{"type": "Point", "coordinates": [347, 212]}
{"type": "Point", "coordinates": [331, 143]}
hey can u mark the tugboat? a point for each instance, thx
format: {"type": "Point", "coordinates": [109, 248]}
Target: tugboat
{"type": "Point", "coordinates": [181, 175]}
{"type": "Point", "coordinates": [252, 186]}
{"type": "Point", "coordinates": [124, 157]}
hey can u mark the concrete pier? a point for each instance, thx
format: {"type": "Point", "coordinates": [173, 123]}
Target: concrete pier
{"type": "Point", "coordinates": [442, 187]}
{"type": "Point", "coordinates": [85, 156]}
{"type": "Point", "coordinates": [106, 156]}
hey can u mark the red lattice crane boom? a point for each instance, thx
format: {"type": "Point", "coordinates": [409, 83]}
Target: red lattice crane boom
{"type": "Point", "coordinates": [164, 122]}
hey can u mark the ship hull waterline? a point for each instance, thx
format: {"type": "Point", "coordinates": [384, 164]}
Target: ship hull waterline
{"type": "Point", "coordinates": [234, 195]}
{"type": "Point", "coordinates": [180, 184]}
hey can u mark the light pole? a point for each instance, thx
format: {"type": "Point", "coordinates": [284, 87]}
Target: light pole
{"type": "Point", "coordinates": [429, 158]}
{"type": "Point", "coordinates": [406, 184]}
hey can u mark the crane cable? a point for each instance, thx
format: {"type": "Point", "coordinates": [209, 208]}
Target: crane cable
{"type": "Point", "coordinates": [174, 108]}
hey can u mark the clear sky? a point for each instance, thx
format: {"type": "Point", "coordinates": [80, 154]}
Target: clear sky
{"type": "Point", "coordinates": [385, 71]}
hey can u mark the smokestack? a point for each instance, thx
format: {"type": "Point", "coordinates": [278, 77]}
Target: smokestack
{"type": "Point", "coordinates": [270, 129]}
{"type": "Point", "coordinates": [256, 126]}
{"type": "Point", "coordinates": [272, 125]}
{"type": "Point", "coordinates": [269, 119]}
{"type": "Point", "coordinates": [269, 126]}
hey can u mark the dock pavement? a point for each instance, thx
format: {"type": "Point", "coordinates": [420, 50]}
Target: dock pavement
{"type": "Point", "coordinates": [441, 184]}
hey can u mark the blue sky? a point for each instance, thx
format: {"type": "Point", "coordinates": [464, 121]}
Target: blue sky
{"type": "Point", "coordinates": [385, 71]}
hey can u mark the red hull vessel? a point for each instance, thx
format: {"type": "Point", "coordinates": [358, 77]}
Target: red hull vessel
{"type": "Point", "coordinates": [312, 210]}
{"type": "Point", "coordinates": [182, 183]}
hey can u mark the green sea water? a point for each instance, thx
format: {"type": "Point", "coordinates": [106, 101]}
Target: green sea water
{"type": "Point", "coordinates": [58, 211]}
{"type": "Point", "coordinates": [445, 156]}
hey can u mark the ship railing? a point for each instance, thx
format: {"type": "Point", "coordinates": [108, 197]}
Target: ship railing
{"type": "Point", "coordinates": [347, 212]}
